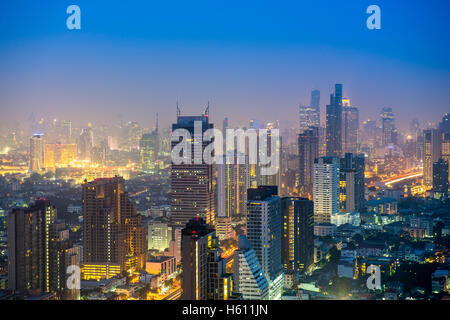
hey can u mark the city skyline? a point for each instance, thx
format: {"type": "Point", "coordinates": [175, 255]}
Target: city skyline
{"type": "Point", "coordinates": [225, 151]}
{"type": "Point", "coordinates": [141, 63]}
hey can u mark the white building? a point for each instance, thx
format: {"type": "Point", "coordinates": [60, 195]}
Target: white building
{"type": "Point", "coordinates": [326, 189]}
{"type": "Point", "coordinates": [159, 235]}
{"type": "Point", "coordinates": [249, 279]}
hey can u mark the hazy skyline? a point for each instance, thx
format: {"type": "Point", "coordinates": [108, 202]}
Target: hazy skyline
{"type": "Point", "coordinates": [258, 60]}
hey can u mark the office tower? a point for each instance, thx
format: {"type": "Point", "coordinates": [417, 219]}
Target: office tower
{"type": "Point", "coordinates": [414, 128]}
{"type": "Point", "coordinates": [39, 251]}
{"type": "Point", "coordinates": [133, 135]}
{"type": "Point", "coordinates": [253, 124]}
{"type": "Point", "coordinates": [388, 127]}
{"type": "Point", "coordinates": [446, 149]}
{"type": "Point", "coordinates": [432, 141]}
{"type": "Point", "coordinates": [440, 178]}
{"type": "Point", "coordinates": [350, 127]}
{"type": "Point", "coordinates": [322, 141]}
{"type": "Point", "coordinates": [298, 233]}
{"type": "Point", "coordinates": [36, 153]}
{"type": "Point", "coordinates": [29, 243]}
{"type": "Point", "coordinates": [444, 125]}
{"type": "Point", "coordinates": [231, 188]}
{"type": "Point", "coordinates": [159, 235]}
{"type": "Point", "coordinates": [334, 123]}
{"type": "Point", "coordinates": [309, 117]}
{"type": "Point", "coordinates": [264, 233]}
{"type": "Point", "coordinates": [369, 133]}
{"type": "Point", "coordinates": [66, 128]}
{"type": "Point", "coordinates": [56, 155]}
{"type": "Point", "coordinates": [308, 151]}
{"type": "Point", "coordinates": [326, 189]}
{"type": "Point", "coordinates": [249, 279]}
{"type": "Point", "coordinates": [148, 149]}
{"type": "Point", "coordinates": [315, 103]}
{"type": "Point", "coordinates": [192, 190]}
{"type": "Point", "coordinates": [113, 234]}
{"type": "Point", "coordinates": [274, 179]}
{"type": "Point", "coordinates": [204, 274]}
{"type": "Point", "coordinates": [347, 190]}
{"type": "Point", "coordinates": [63, 255]}
{"type": "Point", "coordinates": [85, 144]}
{"type": "Point", "coordinates": [352, 171]}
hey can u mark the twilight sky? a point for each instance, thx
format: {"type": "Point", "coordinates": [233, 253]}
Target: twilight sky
{"type": "Point", "coordinates": [250, 59]}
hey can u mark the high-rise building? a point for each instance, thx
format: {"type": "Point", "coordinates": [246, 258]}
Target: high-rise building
{"type": "Point", "coordinates": [446, 150]}
{"type": "Point", "coordinates": [39, 251]}
{"type": "Point", "coordinates": [326, 189]}
{"type": "Point", "coordinates": [334, 123]}
{"type": "Point", "coordinates": [347, 190]}
{"type": "Point", "coordinates": [350, 127]}
{"type": "Point", "coordinates": [267, 140]}
{"type": "Point", "coordinates": [204, 271]}
{"type": "Point", "coordinates": [309, 117]}
{"type": "Point", "coordinates": [192, 190]}
{"type": "Point", "coordinates": [113, 233]}
{"type": "Point", "coordinates": [148, 149]}
{"type": "Point", "coordinates": [298, 233]}
{"type": "Point", "coordinates": [159, 235]}
{"type": "Point", "coordinates": [444, 125]}
{"type": "Point", "coordinates": [432, 152]}
{"type": "Point", "coordinates": [440, 179]}
{"type": "Point", "coordinates": [388, 127]}
{"type": "Point", "coordinates": [352, 168]}
{"type": "Point", "coordinates": [308, 151]}
{"type": "Point", "coordinates": [36, 153]}
{"type": "Point", "coordinates": [85, 144]}
{"type": "Point", "coordinates": [249, 279]}
{"type": "Point", "coordinates": [264, 233]}
{"type": "Point", "coordinates": [315, 103]}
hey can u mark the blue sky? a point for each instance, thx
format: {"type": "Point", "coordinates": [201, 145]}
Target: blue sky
{"type": "Point", "coordinates": [251, 59]}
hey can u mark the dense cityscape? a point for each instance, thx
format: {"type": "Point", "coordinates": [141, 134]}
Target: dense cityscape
{"type": "Point", "coordinates": [349, 196]}
{"type": "Point", "coordinates": [208, 159]}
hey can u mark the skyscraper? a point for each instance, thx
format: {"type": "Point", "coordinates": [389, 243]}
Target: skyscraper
{"type": "Point", "coordinates": [231, 194]}
{"type": "Point", "coordinates": [440, 179]}
{"type": "Point", "coordinates": [298, 233]}
{"type": "Point", "coordinates": [36, 153]}
{"type": "Point", "coordinates": [39, 251]}
{"type": "Point", "coordinates": [85, 144]}
{"type": "Point", "coordinates": [249, 279]}
{"type": "Point", "coordinates": [352, 171]}
{"type": "Point", "coordinates": [446, 150]}
{"type": "Point", "coordinates": [315, 103]}
{"type": "Point", "coordinates": [432, 145]}
{"type": "Point", "coordinates": [444, 125]}
{"type": "Point", "coordinates": [204, 271]}
{"type": "Point", "coordinates": [308, 151]}
{"type": "Point", "coordinates": [149, 149]}
{"type": "Point", "coordinates": [350, 127]}
{"type": "Point", "coordinates": [334, 124]}
{"type": "Point", "coordinates": [309, 117]}
{"type": "Point", "coordinates": [264, 233]}
{"type": "Point", "coordinates": [388, 127]}
{"type": "Point", "coordinates": [192, 190]}
{"type": "Point", "coordinates": [326, 189]}
{"type": "Point", "coordinates": [113, 231]}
